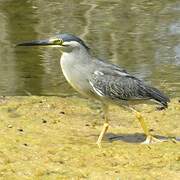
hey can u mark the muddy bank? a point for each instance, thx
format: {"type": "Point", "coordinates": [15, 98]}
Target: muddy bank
{"type": "Point", "coordinates": [54, 138]}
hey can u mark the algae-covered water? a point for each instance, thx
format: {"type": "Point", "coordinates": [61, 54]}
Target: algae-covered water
{"type": "Point", "coordinates": [139, 35]}
{"type": "Point", "coordinates": [54, 138]}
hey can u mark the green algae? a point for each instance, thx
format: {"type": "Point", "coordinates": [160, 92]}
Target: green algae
{"type": "Point", "coordinates": [54, 138]}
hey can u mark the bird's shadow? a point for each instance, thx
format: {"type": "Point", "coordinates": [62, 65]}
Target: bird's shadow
{"type": "Point", "coordinates": [136, 138]}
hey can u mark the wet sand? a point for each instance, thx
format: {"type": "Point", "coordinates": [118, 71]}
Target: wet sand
{"type": "Point", "coordinates": [54, 138]}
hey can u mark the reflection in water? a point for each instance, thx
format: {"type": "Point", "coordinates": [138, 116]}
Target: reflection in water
{"type": "Point", "coordinates": [8, 75]}
{"type": "Point", "coordinates": [141, 36]}
{"type": "Point", "coordinates": [175, 29]}
{"type": "Point", "coordinates": [177, 52]}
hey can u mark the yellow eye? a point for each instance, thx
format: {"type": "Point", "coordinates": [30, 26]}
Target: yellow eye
{"type": "Point", "coordinates": [58, 42]}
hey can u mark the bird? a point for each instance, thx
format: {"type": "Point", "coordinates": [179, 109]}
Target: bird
{"type": "Point", "coordinates": [101, 80]}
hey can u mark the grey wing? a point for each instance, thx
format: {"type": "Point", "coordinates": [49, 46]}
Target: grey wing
{"type": "Point", "coordinates": [116, 83]}
{"type": "Point", "coordinates": [109, 68]}
{"type": "Point", "coordinates": [119, 85]}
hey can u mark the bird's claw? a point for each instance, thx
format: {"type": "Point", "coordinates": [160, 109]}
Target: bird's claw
{"type": "Point", "coordinates": [151, 140]}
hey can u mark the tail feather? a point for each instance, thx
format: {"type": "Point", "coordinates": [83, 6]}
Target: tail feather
{"type": "Point", "coordinates": [158, 96]}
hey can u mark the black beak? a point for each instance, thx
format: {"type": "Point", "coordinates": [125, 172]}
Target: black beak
{"type": "Point", "coordinates": [37, 43]}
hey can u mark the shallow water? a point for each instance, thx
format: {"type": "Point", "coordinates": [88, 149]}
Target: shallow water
{"type": "Point", "coordinates": [141, 36]}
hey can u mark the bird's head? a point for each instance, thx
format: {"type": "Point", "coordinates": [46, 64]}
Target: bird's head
{"type": "Point", "coordinates": [66, 43]}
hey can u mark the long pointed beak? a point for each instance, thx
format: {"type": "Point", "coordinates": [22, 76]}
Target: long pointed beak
{"type": "Point", "coordinates": [46, 42]}
{"type": "Point", "coordinates": [53, 42]}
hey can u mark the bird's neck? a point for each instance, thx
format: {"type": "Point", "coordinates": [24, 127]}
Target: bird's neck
{"type": "Point", "coordinates": [75, 57]}
{"type": "Point", "coordinates": [74, 66]}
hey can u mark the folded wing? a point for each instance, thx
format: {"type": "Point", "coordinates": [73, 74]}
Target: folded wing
{"type": "Point", "coordinates": [120, 85]}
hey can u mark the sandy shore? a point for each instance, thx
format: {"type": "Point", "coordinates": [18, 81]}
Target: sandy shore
{"type": "Point", "coordinates": [54, 138]}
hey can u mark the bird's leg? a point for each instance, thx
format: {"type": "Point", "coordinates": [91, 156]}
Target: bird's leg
{"type": "Point", "coordinates": [105, 126]}
{"type": "Point", "coordinates": [149, 137]}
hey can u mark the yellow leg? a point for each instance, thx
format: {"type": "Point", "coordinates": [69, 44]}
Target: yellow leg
{"type": "Point", "coordinates": [142, 123]}
{"type": "Point", "coordinates": [149, 137]}
{"type": "Point", "coordinates": [105, 126]}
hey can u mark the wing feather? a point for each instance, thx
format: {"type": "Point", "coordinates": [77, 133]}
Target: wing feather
{"type": "Point", "coordinates": [116, 86]}
{"type": "Point", "coordinates": [116, 83]}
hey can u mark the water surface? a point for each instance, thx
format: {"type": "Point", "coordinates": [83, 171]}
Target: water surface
{"type": "Point", "coordinates": [141, 36]}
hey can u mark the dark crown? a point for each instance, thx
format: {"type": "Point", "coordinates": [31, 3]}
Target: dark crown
{"type": "Point", "coordinates": [70, 37]}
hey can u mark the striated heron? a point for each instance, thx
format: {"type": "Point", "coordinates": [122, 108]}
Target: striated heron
{"type": "Point", "coordinates": [108, 83]}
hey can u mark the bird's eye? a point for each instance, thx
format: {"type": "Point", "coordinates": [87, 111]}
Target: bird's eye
{"type": "Point", "coordinates": [58, 42]}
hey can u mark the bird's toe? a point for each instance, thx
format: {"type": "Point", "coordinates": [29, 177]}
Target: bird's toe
{"type": "Point", "coordinates": [151, 140]}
